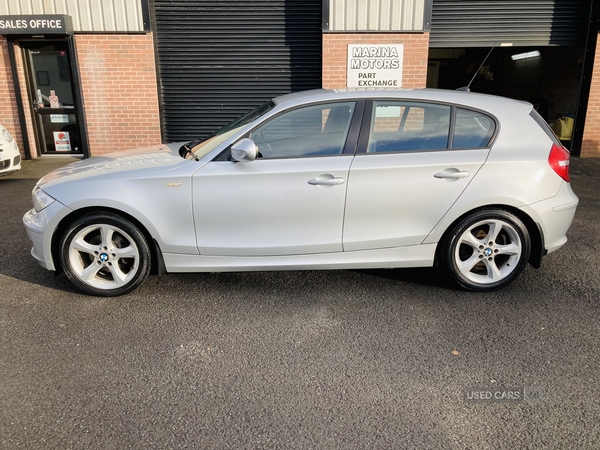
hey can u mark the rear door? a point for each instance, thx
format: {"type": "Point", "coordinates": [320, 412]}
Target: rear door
{"type": "Point", "coordinates": [410, 170]}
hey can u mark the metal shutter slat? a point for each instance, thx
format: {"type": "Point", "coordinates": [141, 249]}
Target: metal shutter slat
{"type": "Point", "coordinates": [219, 59]}
{"type": "Point", "coordinates": [481, 23]}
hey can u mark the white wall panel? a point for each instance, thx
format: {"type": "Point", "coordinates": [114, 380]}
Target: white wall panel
{"type": "Point", "coordinates": [385, 14]}
{"type": "Point", "coordinates": [133, 15]}
{"type": "Point", "coordinates": [376, 15]}
{"type": "Point", "coordinates": [88, 15]}
{"type": "Point", "coordinates": [97, 13]}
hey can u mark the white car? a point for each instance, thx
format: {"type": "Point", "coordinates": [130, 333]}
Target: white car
{"type": "Point", "coordinates": [10, 158]}
{"type": "Point", "coordinates": [476, 184]}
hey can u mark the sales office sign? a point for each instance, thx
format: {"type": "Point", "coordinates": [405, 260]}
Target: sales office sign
{"type": "Point", "coordinates": [375, 65]}
{"type": "Point", "coordinates": [36, 25]}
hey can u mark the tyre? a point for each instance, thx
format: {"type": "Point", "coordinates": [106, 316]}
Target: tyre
{"type": "Point", "coordinates": [487, 250]}
{"type": "Point", "coordinates": [105, 255]}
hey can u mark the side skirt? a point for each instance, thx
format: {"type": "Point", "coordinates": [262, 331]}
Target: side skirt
{"type": "Point", "coordinates": [413, 256]}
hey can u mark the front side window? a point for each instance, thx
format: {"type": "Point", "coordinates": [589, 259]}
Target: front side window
{"type": "Point", "coordinates": [316, 130]}
{"type": "Point", "coordinates": [398, 126]}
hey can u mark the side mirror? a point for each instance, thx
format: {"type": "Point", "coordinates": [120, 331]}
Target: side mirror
{"type": "Point", "coordinates": [244, 150]}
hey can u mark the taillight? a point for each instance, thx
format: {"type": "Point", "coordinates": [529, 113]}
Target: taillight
{"type": "Point", "coordinates": [559, 161]}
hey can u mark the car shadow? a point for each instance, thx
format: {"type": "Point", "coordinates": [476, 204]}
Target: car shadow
{"type": "Point", "coordinates": [426, 276]}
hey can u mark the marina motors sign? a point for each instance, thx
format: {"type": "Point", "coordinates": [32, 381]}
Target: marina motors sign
{"type": "Point", "coordinates": [36, 25]}
{"type": "Point", "coordinates": [375, 65]}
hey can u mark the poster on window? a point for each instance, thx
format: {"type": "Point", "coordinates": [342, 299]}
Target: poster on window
{"type": "Point", "coordinates": [62, 141]}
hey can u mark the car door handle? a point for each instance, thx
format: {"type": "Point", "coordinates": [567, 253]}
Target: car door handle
{"type": "Point", "coordinates": [452, 174]}
{"type": "Point", "coordinates": [326, 181]}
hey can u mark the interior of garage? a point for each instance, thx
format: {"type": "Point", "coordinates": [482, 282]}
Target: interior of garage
{"type": "Point", "coordinates": [547, 77]}
{"type": "Point", "coordinates": [553, 34]}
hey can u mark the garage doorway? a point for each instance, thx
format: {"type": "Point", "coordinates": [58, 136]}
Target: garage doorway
{"type": "Point", "coordinates": [548, 77]}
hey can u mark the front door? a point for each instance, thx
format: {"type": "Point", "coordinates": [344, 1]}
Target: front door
{"type": "Point", "coordinates": [290, 200]}
{"type": "Point", "coordinates": [270, 207]}
{"type": "Point", "coordinates": [52, 93]}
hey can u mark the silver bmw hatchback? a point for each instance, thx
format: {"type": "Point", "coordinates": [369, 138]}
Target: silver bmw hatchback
{"type": "Point", "coordinates": [325, 179]}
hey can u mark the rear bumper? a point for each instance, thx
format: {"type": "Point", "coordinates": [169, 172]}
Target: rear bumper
{"type": "Point", "coordinates": [554, 216]}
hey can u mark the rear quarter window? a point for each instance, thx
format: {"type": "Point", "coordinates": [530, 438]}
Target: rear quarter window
{"type": "Point", "coordinates": [472, 129]}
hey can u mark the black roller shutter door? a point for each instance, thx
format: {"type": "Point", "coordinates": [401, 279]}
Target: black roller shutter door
{"type": "Point", "coordinates": [219, 59]}
{"type": "Point", "coordinates": [481, 23]}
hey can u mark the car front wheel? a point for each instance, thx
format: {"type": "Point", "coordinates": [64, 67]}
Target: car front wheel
{"type": "Point", "coordinates": [487, 250]}
{"type": "Point", "coordinates": [105, 255]}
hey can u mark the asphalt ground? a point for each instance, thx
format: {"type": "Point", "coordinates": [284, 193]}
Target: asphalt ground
{"type": "Point", "coordinates": [301, 360]}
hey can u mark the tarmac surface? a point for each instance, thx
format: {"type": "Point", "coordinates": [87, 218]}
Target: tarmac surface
{"type": "Point", "coordinates": [324, 359]}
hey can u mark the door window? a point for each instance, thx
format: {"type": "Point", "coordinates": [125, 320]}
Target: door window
{"type": "Point", "coordinates": [316, 130]}
{"type": "Point", "coordinates": [408, 126]}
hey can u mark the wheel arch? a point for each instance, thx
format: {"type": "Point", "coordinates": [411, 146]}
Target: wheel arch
{"type": "Point", "coordinates": [535, 233]}
{"type": "Point", "coordinates": [157, 262]}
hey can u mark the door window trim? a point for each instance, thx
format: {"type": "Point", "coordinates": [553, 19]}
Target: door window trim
{"type": "Point", "coordinates": [365, 130]}
{"type": "Point", "coordinates": [350, 146]}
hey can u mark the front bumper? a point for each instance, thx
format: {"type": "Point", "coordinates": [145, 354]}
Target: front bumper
{"type": "Point", "coordinates": [40, 229]}
{"type": "Point", "coordinates": [10, 165]}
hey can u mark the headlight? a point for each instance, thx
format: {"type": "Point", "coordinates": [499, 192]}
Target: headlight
{"type": "Point", "coordinates": [40, 199]}
{"type": "Point", "coordinates": [6, 135]}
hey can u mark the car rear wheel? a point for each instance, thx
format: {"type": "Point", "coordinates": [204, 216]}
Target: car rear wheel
{"type": "Point", "coordinates": [487, 250]}
{"type": "Point", "coordinates": [105, 255]}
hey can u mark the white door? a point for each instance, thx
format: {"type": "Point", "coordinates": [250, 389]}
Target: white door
{"type": "Point", "coordinates": [408, 179]}
{"type": "Point", "coordinates": [290, 200]}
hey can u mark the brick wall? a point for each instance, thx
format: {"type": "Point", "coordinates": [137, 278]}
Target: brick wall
{"type": "Point", "coordinates": [590, 146]}
{"type": "Point", "coordinates": [118, 77]}
{"type": "Point", "coordinates": [335, 56]}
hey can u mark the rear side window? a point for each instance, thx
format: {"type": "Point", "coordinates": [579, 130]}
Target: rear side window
{"type": "Point", "coordinates": [472, 129]}
{"type": "Point", "coordinates": [398, 126]}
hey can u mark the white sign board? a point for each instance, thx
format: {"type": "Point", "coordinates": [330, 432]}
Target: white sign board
{"type": "Point", "coordinates": [62, 141]}
{"type": "Point", "coordinates": [371, 65]}
{"type": "Point", "coordinates": [59, 118]}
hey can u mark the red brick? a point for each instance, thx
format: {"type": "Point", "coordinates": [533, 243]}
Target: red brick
{"type": "Point", "coordinates": [590, 147]}
{"type": "Point", "coordinates": [121, 107]}
{"type": "Point", "coordinates": [335, 56]}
